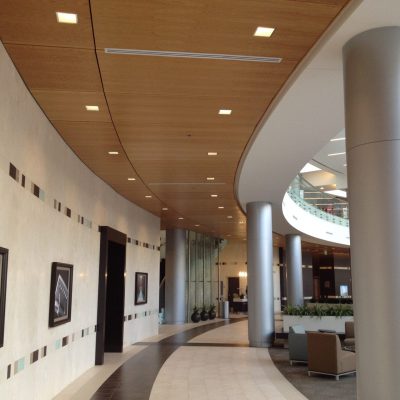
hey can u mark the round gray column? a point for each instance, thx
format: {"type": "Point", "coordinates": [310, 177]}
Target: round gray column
{"type": "Point", "coordinates": [294, 269]}
{"type": "Point", "coordinates": [175, 276]}
{"type": "Point", "coordinates": [372, 105]}
{"type": "Point", "coordinates": [259, 274]}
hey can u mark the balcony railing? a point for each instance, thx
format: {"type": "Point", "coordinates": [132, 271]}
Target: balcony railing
{"type": "Point", "coordinates": [318, 203]}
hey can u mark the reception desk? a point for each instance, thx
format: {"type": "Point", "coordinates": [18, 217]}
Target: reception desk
{"type": "Point", "coordinates": [239, 305]}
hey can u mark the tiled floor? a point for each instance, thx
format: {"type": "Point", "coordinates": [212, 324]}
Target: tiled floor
{"type": "Point", "coordinates": [222, 373]}
{"type": "Point", "coordinates": [194, 361]}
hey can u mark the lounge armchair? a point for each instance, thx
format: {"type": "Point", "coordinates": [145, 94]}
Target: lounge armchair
{"type": "Point", "coordinates": [297, 344]}
{"type": "Point", "coordinates": [349, 334]}
{"type": "Point", "coordinates": [326, 357]}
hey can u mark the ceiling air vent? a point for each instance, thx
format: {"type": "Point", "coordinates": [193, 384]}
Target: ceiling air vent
{"type": "Point", "coordinates": [180, 54]}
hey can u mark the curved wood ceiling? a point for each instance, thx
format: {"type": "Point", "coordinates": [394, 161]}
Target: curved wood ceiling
{"type": "Point", "coordinates": [161, 114]}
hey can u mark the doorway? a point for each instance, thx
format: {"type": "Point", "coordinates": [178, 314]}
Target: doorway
{"type": "Point", "coordinates": [111, 294]}
{"type": "Point", "coordinates": [233, 287]}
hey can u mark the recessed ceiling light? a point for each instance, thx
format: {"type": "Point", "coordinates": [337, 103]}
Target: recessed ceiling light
{"type": "Point", "coordinates": [214, 195]}
{"type": "Point", "coordinates": [210, 178]}
{"type": "Point", "coordinates": [212, 153]}
{"type": "Point", "coordinates": [229, 216]}
{"type": "Point", "coordinates": [241, 222]}
{"type": "Point", "coordinates": [131, 179]}
{"type": "Point", "coordinates": [148, 196]}
{"type": "Point", "coordinates": [336, 154]}
{"type": "Point", "coordinates": [165, 209]}
{"type": "Point", "coordinates": [92, 108]}
{"type": "Point", "coordinates": [263, 31]}
{"type": "Point", "coordinates": [344, 165]}
{"type": "Point", "coordinates": [113, 153]}
{"type": "Point", "coordinates": [66, 18]}
{"type": "Point", "coordinates": [221, 207]}
{"type": "Point", "coordinates": [309, 168]}
{"type": "Point", "coordinates": [180, 217]}
{"type": "Point", "coordinates": [338, 139]}
{"type": "Point", "coordinates": [225, 112]}
{"type": "Point", "coordinates": [197, 225]}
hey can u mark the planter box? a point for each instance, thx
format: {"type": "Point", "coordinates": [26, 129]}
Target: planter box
{"type": "Point", "coordinates": [315, 323]}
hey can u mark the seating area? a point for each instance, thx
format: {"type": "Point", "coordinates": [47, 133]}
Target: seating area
{"type": "Point", "coordinates": [323, 351]}
{"type": "Point", "coordinates": [297, 344]}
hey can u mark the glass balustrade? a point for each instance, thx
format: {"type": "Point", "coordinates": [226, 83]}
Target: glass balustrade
{"type": "Point", "coordinates": [318, 203]}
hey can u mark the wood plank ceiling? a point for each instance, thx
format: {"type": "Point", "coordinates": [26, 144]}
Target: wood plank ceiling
{"type": "Point", "coordinates": [161, 113]}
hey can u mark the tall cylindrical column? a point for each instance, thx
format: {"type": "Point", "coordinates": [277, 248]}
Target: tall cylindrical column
{"type": "Point", "coordinates": [259, 274]}
{"type": "Point", "coordinates": [294, 268]}
{"type": "Point", "coordinates": [175, 276]}
{"type": "Point", "coordinates": [372, 105]}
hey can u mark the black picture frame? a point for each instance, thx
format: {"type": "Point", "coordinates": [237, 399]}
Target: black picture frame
{"type": "Point", "coordinates": [60, 294]}
{"type": "Point", "coordinates": [141, 285]}
{"type": "Point", "coordinates": [3, 291]}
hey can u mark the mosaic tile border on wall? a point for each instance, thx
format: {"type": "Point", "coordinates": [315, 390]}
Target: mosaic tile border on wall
{"type": "Point", "coordinates": [57, 205]}
{"type": "Point", "coordinates": [23, 363]}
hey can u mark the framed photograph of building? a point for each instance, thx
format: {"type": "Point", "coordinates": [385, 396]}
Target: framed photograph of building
{"type": "Point", "coordinates": [141, 288]}
{"type": "Point", "coordinates": [3, 289]}
{"type": "Point", "coordinates": [60, 294]}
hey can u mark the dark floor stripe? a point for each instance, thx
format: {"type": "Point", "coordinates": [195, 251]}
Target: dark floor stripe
{"type": "Point", "coordinates": [135, 378]}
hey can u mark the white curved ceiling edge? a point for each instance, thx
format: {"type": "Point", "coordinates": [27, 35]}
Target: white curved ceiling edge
{"type": "Point", "coordinates": [312, 225]}
{"type": "Point", "coordinates": [307, 116]}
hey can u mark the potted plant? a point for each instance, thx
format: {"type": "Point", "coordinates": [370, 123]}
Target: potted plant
{"type": "Point", "coordinates": [211, 312]}
{"type": "Point", "coordinates": [318, 316]}
{"type": "Point", "coordinates": [204, 314]}
{"type": "Point", "coordinates": [196, 315]}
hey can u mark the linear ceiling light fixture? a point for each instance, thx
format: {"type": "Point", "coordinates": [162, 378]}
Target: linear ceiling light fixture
{"type": "Point", "coordinates": [184, 54]}
{"type": "Point", "coordinates": [131, 179]}
{"type": "Point", "coordinates": [113, 153]}
{"type": "Point", "coordinates": [225, 112]}
{"type": "Point", "coordinates": [338, 139]}
{"type": "Point", "coordinates": [66, 18]}
{"type": "Point", "coordinates": [210, 178]}
{"type": "Point", "coordinates": [92, 108]}
{"type": "Point", "coordinates": [336, 154]}
{"type": "Point", "coordinates": [212, 153]}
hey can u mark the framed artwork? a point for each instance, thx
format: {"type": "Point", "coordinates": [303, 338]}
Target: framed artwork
{"type": "Point", "coordinates": [60, 294]}
{"type": "Point", "coordinates": [141, 288]}
{"type": "Point", "coordinates": [3, 289]}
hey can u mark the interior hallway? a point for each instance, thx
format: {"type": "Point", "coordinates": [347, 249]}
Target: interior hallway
{"type": "Point", "coordinates": [193, 361]}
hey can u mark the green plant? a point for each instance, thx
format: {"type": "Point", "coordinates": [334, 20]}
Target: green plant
{"type": "Point", "coordinates": [212, 307]}
{"type": "Point", "coordinates": [319, 310]}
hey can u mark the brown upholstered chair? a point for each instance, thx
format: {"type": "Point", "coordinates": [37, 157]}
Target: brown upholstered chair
{"type": "Point", "coordinates": [349, 339]}
{"type": "Point", "coordinates": [325, 355]}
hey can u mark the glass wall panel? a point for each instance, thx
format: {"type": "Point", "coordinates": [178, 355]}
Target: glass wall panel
{"type": "Point", "coordinates": [200, 258]}
{"type": "Point", "coordinates": [203, 285]}
{"type": "Point", "coordinates": [192, 256]}
{"type": "Point", "coordinates": [207, 294]}
{"type": "Point", "coordinates": [199, 294]}
{"type": "Point", "coordinates": [207, 258]}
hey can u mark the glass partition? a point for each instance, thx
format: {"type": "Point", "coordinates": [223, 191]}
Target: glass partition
{"type": "Point", "coordinates": [203, 274]}
{"type": "Point", "coordinates": [314, 201]}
